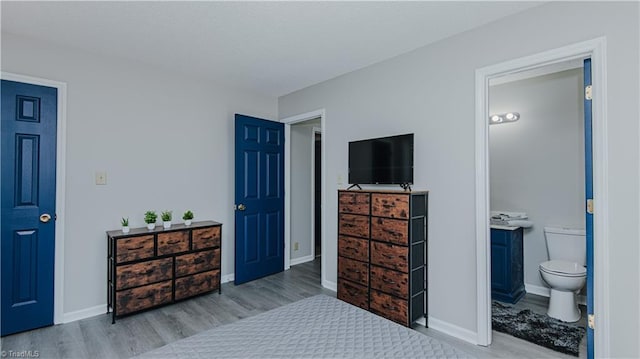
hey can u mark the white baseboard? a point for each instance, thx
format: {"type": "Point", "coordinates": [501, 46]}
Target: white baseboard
{"type": "Point", "coordinates": [422, 321]}
{"type": "Point", "coordinates": [300, 260]}
{"type": "Point", "coordinates": [330, 285]}
{"type": "Point", "coordinates": [453, 330]}
{"type": "Point", "coordinates": [84, 313]}
{"type": "Point", "coordinates": [537, 290]}
{"type": "Point", "coordinates": [546, 292]}
{"type": "Point", "coordinates": [228, 278]}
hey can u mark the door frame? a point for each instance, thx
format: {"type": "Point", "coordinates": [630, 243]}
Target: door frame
{"type": "Point", "coordinates": [61, 145]}
{"type": "Point", "coordinates": [288, 121]}
{"type": "Point", "coordinates": [596, 50]}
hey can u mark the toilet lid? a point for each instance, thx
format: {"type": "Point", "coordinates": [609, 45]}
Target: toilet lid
{"type": "Point", "coordinates": [565, 268]}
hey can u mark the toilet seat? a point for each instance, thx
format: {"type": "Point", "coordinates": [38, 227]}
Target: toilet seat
{"type": "Point", "coordinates": [563, 268]}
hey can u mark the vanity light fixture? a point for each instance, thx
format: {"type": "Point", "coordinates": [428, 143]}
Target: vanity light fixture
{"type": "Point", "coordinates": [504, 118]}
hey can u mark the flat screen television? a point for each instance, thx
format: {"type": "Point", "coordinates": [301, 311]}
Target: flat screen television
{"type": "Point", "coordinates": [384, 160]}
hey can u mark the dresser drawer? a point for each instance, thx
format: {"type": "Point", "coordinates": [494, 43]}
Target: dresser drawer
{"type": "Point", "coordinates": [196, 284]}
{"type": "Point", "coordinates": [205, 238]}
{"type": "Point", "coordinates": [132, 300]}
{"type": "Point", "coordinates": [390, 205]}
{"type": "Point", "coordinates": [353, 225]}
{"type": "Point", "coordinates": [173, 242]}
{"type": "Point", "coordinates": [390, 256]}
{"type": "Point", "coordinates": [353, 293]}
{"type": "Point", "coordinates": [134, 275]}
{"type": "Point", "coordinates": [356, 203]}
{"type": "Point", "coordinates": [197, 262]}
{"type": "Point", "coordinates": [353, 270]}
{"type": "Point", "coordinates": [133, 248]}
{"type": "Point", "coordinates": [354, 248]}
{"type": "Point", "coordinates": [389, 281]}
{"type": "Point", "coordinates": [390, 230]}
{"type": "Point", "coordinates": [390, 307]}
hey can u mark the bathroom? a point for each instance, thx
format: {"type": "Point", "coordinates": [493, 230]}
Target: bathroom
{"type": "Point", "coordinates": [537, 164]}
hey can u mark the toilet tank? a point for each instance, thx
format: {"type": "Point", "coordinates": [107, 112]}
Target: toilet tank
{"type": "Point", "coordinates": [566, 244]}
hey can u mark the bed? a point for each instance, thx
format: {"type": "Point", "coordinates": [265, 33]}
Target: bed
{"type": "Point", "coordinates": [315, 327]}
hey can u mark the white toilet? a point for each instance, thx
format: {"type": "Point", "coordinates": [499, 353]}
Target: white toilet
{"type": "Point", "coordinates": [565, 272]}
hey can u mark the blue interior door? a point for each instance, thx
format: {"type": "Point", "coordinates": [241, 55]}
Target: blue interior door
{"type": "Point", "coordinates": [588, 175]}
{"type": "Point", "coordinates": [259, 196]}
{"type": "Point", "coordinates": [29, 116]}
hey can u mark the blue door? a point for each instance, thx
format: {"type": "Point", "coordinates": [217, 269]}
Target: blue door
{"type": "Point", "coordinates": [29, 116]}
{"type": "Point", "coordinates": [588, 175]}
{"type": "Point", "coordinates": [259, 197]}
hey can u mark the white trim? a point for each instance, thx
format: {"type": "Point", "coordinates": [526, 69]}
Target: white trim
{"type": "Point", "coordinates": [227, 278]}
{"type": "Point", "coordinates": [61, 156]}
{"type": "Point", "coordinates": [537, 290]}
{"type": "Point", "coordinates": [301, 260]}
{"type": "Point", "coordinates": [85, 313]}
{"type": "Point", "coordinates": [453, 330]}
{"type": "Point", "coordinates": [333, 286]}
{"type": "Point", "coordinates": [546, 292]}
{"type": "Point", "coordinates": [596, 49]}
{"type": "Point", "coordinates": [287, 189]}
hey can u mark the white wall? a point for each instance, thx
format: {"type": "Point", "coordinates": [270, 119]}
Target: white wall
{"type": "Point", "coordinates": [430, 92]}
{"type": "Point", "coordinates": [537, 163]}
{"type": "Point", "coordinates": [301, 189]}
{"type": "Point", "coordinates": [165, 141]}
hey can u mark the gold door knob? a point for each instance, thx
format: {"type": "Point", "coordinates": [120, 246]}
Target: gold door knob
{"type": "Point", "coordinates": [44, 218]}
{"type": "Point", "coordinates": [241, 207]}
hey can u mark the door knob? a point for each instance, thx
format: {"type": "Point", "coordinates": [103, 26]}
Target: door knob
{"type": "Point", "coordinates": [44, 218]}
{"type": "Point", "coordinates": [241, 207]}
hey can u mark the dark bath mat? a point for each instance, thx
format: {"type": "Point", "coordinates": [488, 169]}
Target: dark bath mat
{"type": "Point", "coordinates": [537, 328]}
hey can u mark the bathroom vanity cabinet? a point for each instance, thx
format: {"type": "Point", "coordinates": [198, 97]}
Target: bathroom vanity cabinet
{"type": "Point", "coordinates": [507, 264]}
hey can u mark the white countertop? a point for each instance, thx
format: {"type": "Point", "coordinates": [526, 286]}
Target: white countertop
{"type": "Point", "coordinates": [507, 228]}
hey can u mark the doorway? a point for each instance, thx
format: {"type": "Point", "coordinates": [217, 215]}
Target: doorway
{"type": "Point", "coordinates": [537, 182]}
{"type": "Point", "coordinates": [303, 188]}
{"type": "Point", "coordinates": [594, 49]}
{"type": "Point", "coordinates": [60, 179]}
{"type": "Point", "coordinates": [317, 192]}
{"type": "Point", "coordinates": [303, 168]}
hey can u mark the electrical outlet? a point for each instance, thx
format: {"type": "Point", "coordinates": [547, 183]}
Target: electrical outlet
{"type": "Point", "coordinates": [101, 178]}
{"type": "Point", "coordinates": [340, 180]}
{"type": "Point", "coordinates": [295, 246]}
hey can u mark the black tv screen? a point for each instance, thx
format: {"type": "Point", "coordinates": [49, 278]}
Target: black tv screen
{"type": "Point", "coordinates": [384, 160]}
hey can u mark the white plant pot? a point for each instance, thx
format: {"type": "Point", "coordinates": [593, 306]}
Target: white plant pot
{"type": "Point", "coordinates": [151, 226]}
{"type": "Point", "coordinates": [125, 229]}
{"type": "Point", "coordinates": [187, 222]}
{"type": "Point", "coordinates": [166, 224]}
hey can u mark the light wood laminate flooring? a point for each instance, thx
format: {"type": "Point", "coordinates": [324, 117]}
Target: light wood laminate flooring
{"type": "Point", "coordinates": [96, 337]}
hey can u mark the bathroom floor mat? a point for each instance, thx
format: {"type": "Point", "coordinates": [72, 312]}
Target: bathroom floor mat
{"type": "Point", "coordinates": [537, 328]}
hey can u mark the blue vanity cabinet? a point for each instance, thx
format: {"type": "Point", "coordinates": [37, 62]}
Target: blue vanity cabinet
{"type": "Point", "coordinates": [507, 264]}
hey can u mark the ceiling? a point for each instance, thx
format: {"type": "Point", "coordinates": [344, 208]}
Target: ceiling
{"type": "Point", "coordinates": [272, 48]}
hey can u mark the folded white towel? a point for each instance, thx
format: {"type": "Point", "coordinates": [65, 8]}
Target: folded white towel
{"type": "Point", "coordinates": [520, 223]}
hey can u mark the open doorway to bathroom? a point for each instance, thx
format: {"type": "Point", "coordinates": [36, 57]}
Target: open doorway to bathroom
{"type": "Point", "coordinates": [537, 193]}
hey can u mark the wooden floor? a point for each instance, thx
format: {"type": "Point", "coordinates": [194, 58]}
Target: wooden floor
{"type": "Point", "coordinates": [96, 337]}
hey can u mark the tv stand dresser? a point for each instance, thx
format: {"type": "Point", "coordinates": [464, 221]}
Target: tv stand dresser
{"type": "Point", "coordinates": [382, 252]}
{"type": "Point", "coordinates": [149, 268]}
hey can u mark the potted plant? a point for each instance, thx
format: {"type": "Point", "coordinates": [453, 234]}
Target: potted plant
{"type": "Point", "coordinates": [150, 218]}
{"type": "Point", "coordinates": [187, 216]}
{"type": "Point", "coordinates": [166, 219]}
{"type": "Point", "coordinates": [125, 225]}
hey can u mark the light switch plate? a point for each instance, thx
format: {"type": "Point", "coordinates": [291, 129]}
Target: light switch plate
{"type": "Point", "coordinates": [101, 178]}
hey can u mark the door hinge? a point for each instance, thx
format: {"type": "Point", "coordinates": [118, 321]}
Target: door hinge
{"type": "Point", "coordinates": [590, 206]}
{"type": "Point", "coordinates": [588, 93]}
{"type": "Point", "coordinates": [591, 319]}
